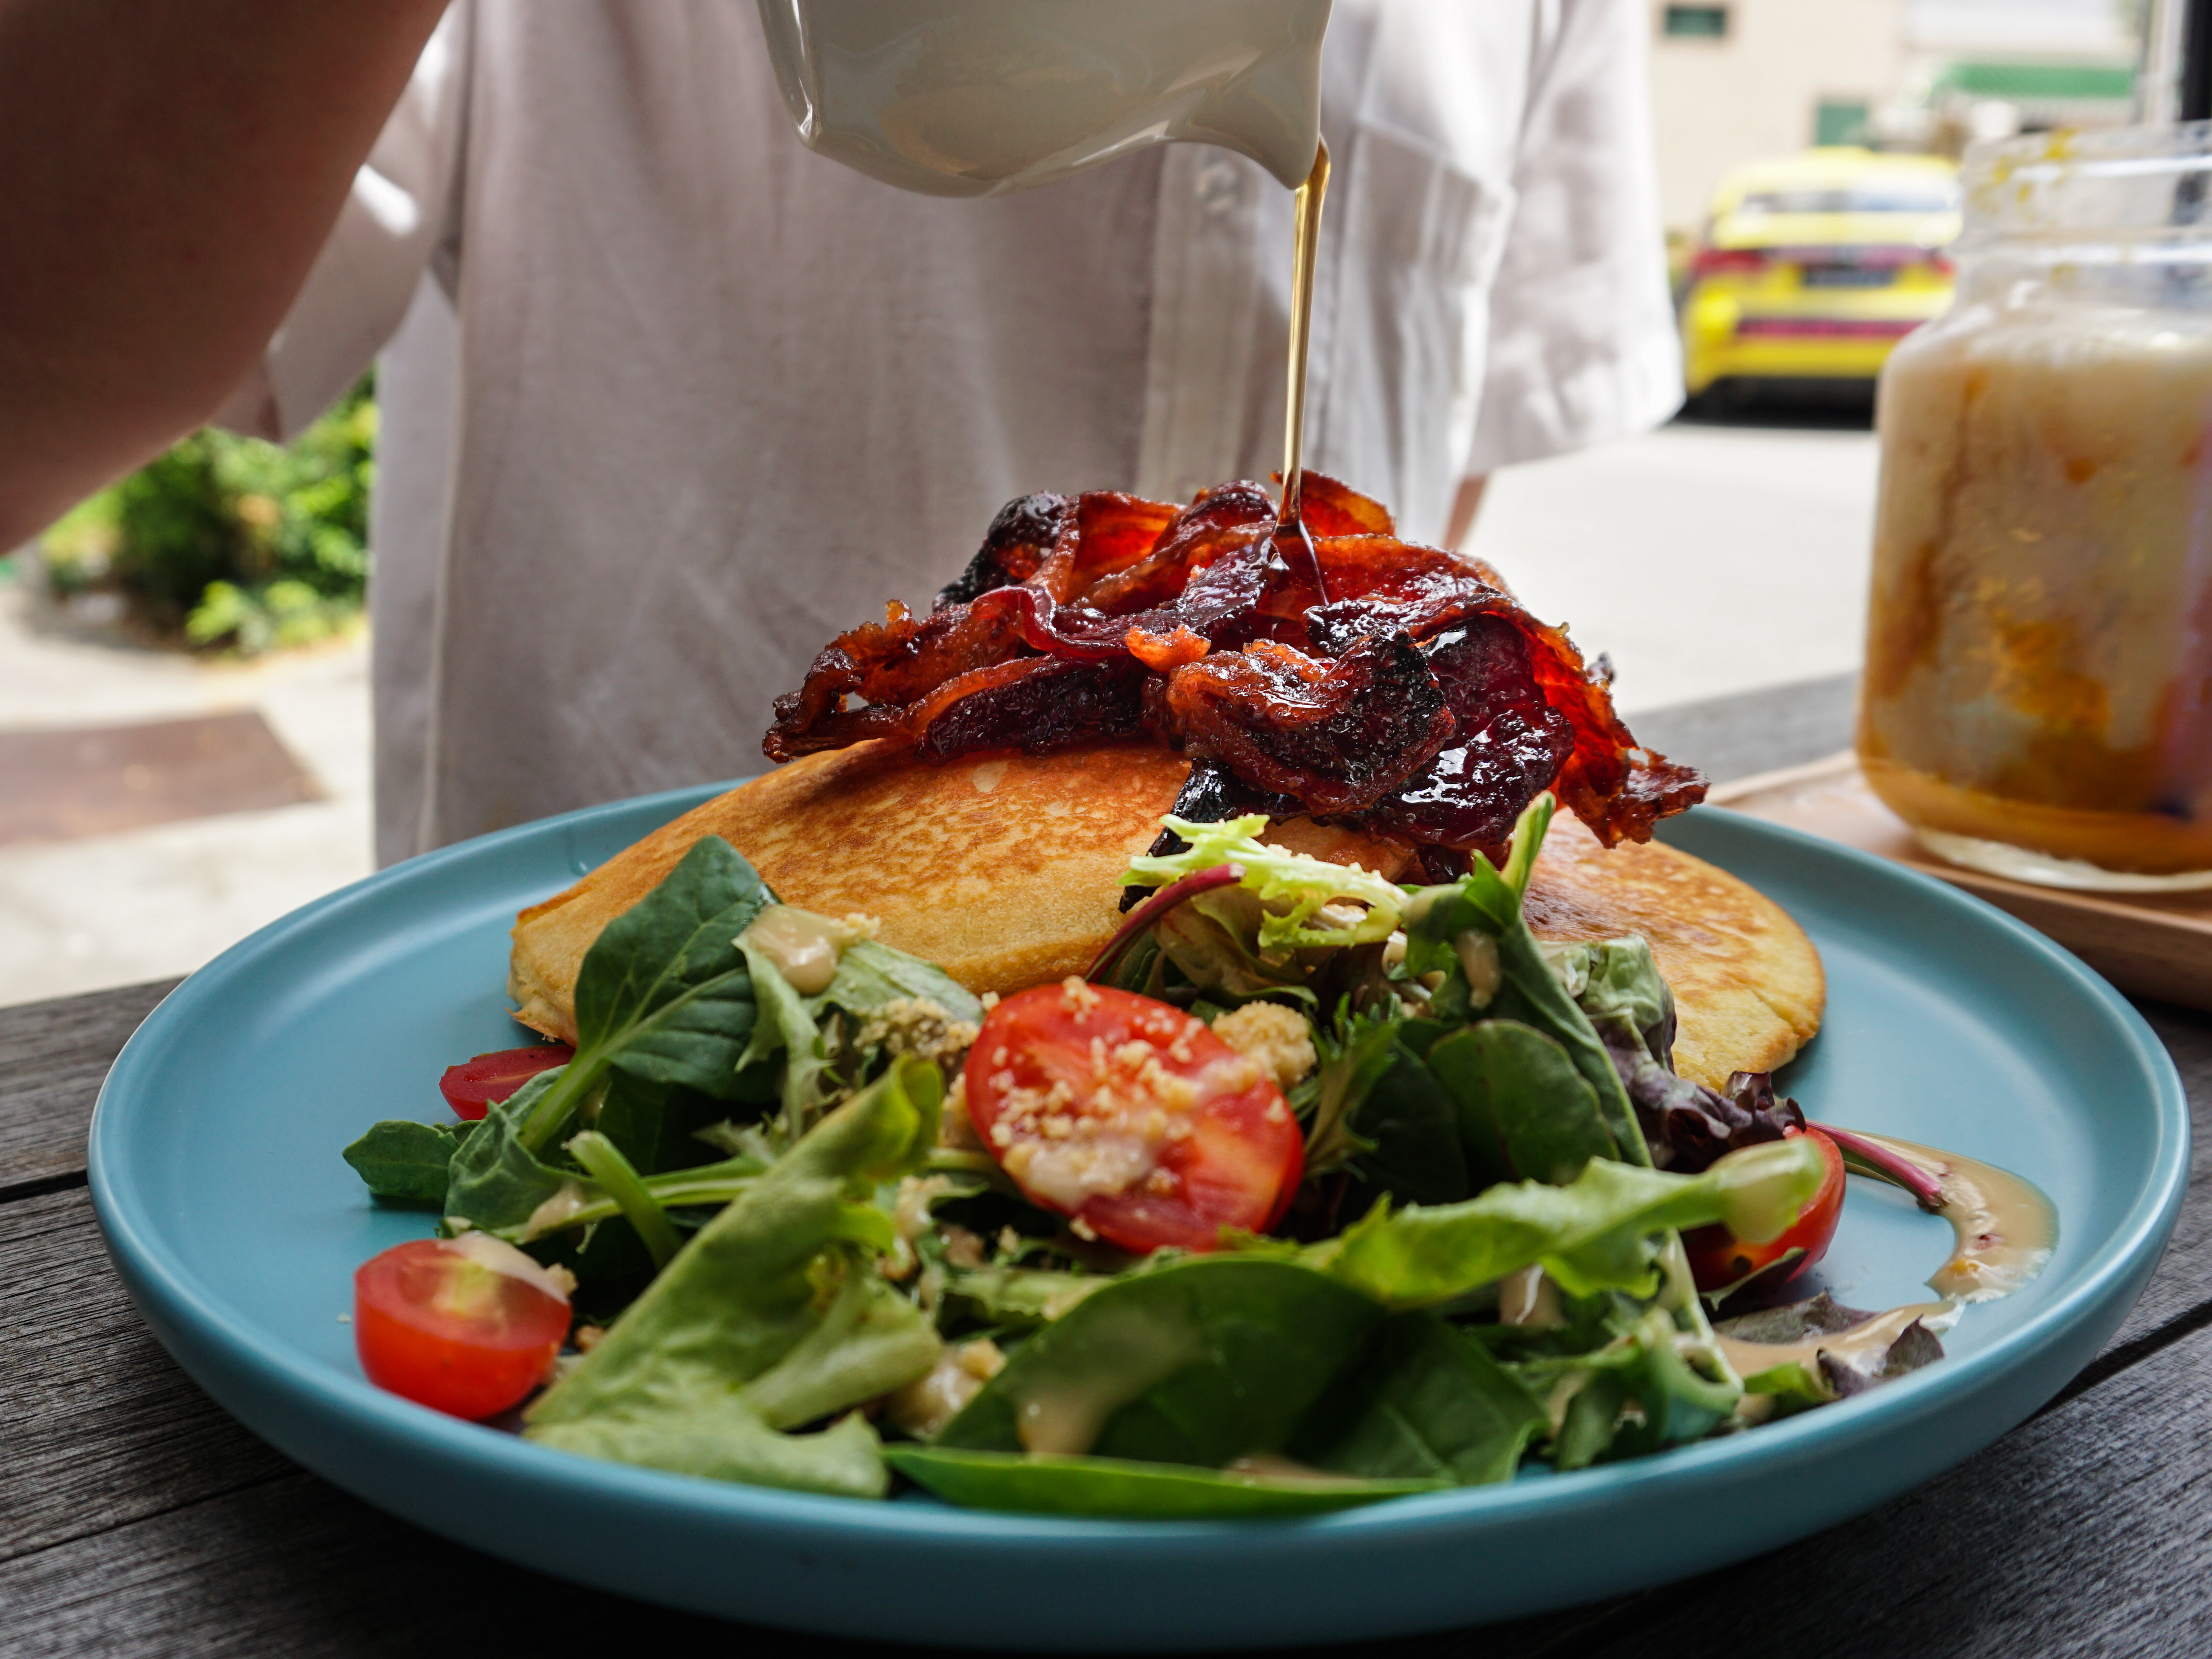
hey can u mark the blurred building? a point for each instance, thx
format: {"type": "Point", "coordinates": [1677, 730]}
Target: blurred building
{"type": "Point", "coordinates": [1735, 81]}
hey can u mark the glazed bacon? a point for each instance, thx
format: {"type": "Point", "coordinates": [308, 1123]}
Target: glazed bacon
{"type": "Point", "coordinates": [1416, 698]}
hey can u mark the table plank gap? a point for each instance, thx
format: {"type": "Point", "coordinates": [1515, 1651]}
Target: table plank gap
{"type": "Point", "coordinates": [103, 1428]}
{"type": "Point", "coordinates": [56, 1055]}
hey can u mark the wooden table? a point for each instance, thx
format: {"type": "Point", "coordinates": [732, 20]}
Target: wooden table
{"type": "Point", "coordinates": [136, 1518]}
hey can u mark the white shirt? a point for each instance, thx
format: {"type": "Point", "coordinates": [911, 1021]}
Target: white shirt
{"type": "Point", "coordinates": [668, 401]}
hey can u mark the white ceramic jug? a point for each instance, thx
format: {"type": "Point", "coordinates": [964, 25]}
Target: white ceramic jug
{"type": "Point", "coordinates": [979, 97]}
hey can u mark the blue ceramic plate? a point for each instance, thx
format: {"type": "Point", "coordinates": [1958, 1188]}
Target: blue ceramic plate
{"type": "Point", "coordinates": [215, 1165]}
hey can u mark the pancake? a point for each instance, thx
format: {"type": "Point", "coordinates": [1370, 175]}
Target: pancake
{"type": "Point", "coordinates": [1748, 989]}
{"type": "Point", "coordinates": [1004, 872]}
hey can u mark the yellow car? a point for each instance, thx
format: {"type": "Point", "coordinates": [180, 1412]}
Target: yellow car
{"type": "Point", "coordinates": [1814, 268]}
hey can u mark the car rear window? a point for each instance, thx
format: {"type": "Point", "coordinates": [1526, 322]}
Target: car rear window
{"type": "Point", "coordinates": [1854, 198]}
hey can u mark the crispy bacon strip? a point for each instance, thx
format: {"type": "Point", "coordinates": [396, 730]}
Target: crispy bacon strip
{"type": "Point", "coordinates": [1339, 736]}
{"type": "Point", "coordinates": [1420, 699]}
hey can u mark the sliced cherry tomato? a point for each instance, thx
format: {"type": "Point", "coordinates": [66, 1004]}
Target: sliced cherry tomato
{"type": "Point", "coordinates": [467, 1325]}
{"type": "Point", "coordinates": [473, 1087]}
{"type": "Point", "coordinates": [1131, 1117]}
{"type": "Point", "coordinates": [1719, 1258]}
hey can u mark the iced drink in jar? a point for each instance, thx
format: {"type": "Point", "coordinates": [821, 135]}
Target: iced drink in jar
{"type": "Point", "coordinates": [2038, 698]}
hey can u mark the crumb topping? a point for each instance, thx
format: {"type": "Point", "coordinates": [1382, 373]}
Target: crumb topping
{"type": "Point", "coordinates": [1277, 1039]}
{"type": "Point", "coordinates": [919, 1026]}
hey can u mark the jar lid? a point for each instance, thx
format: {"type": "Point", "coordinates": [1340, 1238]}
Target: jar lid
{"type": "Point", "coordinates": [2141, 184]}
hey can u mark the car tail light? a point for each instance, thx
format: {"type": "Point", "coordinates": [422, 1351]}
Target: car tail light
{"type": "Point", "coordinates": [1727, 262]}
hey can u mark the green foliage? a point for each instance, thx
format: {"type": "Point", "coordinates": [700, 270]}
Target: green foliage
{"type": "Point", "coordinates": [232, 542]}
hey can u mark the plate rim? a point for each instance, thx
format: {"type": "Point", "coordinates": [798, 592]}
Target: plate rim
{"type": "Point", "coordinates": [170, 1295]}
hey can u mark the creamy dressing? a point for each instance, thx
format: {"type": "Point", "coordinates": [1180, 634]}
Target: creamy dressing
{"type": "Point", "coordinates": [804, 946]}
{"type": "Point", "coordinates": [1064, 1414]}
{"type": "Point", "coordinates": [1274, 1466]}
{"type": "Point", "coordinates": [2004, 1230]}
{"type": "Point", "coordinates": [1873, 1337]}
{"type": "Point", "coordinates": [556, 1211]}
{"type": "Point", "coordinates": [1530, 1299]}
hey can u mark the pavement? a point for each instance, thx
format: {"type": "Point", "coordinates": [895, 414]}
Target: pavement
{"type": "Point", "coordinates": [84, 913]}
{"type": "Point", "coordinates": [1706, 559]}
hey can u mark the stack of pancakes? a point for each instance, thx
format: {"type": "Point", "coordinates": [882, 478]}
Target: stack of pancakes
{"type": "Point", "coordinates": [1007, 871]}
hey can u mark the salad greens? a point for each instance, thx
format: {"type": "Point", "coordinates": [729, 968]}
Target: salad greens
{"type": "Point", "coordinates": [776, 1316]}
{"type": "Point", "coordinates": [815, 1274]}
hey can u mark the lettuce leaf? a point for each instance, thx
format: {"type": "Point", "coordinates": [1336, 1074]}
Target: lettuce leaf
{"type": "Point", "coordinates": [1595, 1233]}
{"type": "Point", "coordinates": [1292, 886]}
{"type": "Point", "coordinates": [774, 1315]}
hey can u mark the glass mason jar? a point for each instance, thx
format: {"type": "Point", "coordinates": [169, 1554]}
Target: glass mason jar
{"type": "Point", "coordinates": [2038, 699]}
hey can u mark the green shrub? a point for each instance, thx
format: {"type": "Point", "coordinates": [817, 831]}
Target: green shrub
{"type": "Point", "coordinates": [232, 543]}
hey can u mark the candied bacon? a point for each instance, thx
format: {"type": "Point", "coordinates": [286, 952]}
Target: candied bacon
{"type": "Point", "coordinates": [1024, 533]}
{"type": "Point", "coordinates": [1338, 735]}
{"type": "Point", "coordinates": [1328, 507]}
{"type": "Point", "coordinates": [1412, 694]}
{"type": "Point", "coordinates": [1036, 703]}
{"type": "Point", "coordinates": [1507, 745]}
{"type": "Point", "coordinates": [1231, 516]}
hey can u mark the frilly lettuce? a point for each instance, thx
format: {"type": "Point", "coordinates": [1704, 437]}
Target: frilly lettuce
{"type": "Point", "coordinates": [1301, 883]}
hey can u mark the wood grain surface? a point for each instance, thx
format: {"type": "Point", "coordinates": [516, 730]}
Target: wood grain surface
{"type": "Point", "coordinates": [2149, 945]}
{"type": "Point", "coordinates": [138, 1519]}
{"type": "Point", "coordinates": [52, 1056]}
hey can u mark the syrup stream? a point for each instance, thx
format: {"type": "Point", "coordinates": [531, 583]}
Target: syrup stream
{"type": "Point", "coordinates": [1289, 530]}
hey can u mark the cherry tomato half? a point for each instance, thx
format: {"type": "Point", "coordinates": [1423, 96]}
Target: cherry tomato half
{"type": "Point", "coordinates": [1719, 1258]}
{"type": "Point", "coordinates": [475, 1087]}
{"type": "Point", "coordinates": [1131, 1117]}
{"type": "Point", "coordinates": [467, 1325]}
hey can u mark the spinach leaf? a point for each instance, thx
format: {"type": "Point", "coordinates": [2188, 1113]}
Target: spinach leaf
{"type": "Point", "coordinates": [1415, 1151]}
{"type": "Point", "coordinates": [774, 1315]}
{"type": "Point", "coordinates": [663, 991]}
{"type": "Point", "coordinates": [1521, 1101]}
{"type": "Point", "coordinates": [404, 1161]}
{"type": "Point", "coordinates": [1424, 1403]}
{"type": "Point", "coordinates": [1595, 1233]}
{"type": "Point", "coordinates": [1198, 1363]}
{"type": "Point", "coordinates": [495, 1182]}
{"type": "Point", "coordinates": [656, 1125]}
{"type": "Point", "coordinates": [1473, 932]}
{"type": "Point", "coordinates": [664, 995]}
{"type": "Point", "coordinates": [1142, 1491]}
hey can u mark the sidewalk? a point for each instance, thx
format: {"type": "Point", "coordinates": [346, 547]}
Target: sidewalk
{"type": "Point", "coordinates": [146, 903]}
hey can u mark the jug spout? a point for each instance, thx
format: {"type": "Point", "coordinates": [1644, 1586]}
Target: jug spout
{"type": "Point", "coordinates": [981, 97]}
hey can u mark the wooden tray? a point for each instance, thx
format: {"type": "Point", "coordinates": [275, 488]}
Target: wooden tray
{"type": "Point", "coordinates": [2148, 945]}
